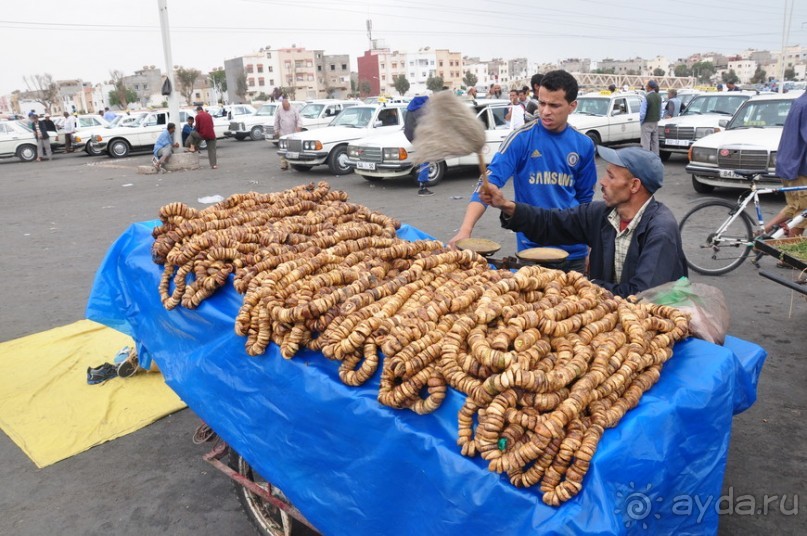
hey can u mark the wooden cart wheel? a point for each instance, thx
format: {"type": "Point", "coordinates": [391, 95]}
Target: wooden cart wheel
{"type": "Point", "coordinates": [267, 518]}
{"type": "Point", "coordinates": [483, 246]}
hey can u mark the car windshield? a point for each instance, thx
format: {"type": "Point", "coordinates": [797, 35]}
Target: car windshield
{"type": "Point", "coordinates": [712, 104]}
{"type": "Point", "coordinates": [592, 106]}
{"type": "Point", "coordinates": [356, 117]}
{"type": "Point", "coordinates": [761, 114]}
{"type": "Point", "coordinates": [24, 124]}
{"type": "Point", "coordinates": [311, 111]}
{"type": "Point", "coordinates": [267, 110]}
{"type": "Point", "coordinates": [132, 120]}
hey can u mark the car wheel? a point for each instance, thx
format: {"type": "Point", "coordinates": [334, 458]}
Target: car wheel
{"type": "Point", "coordinates": [664, 155]}
{"type": "Point", "coordinates": [301, 167]}
{"type": "Point", "coordinates": [92, 151]}
{"type": "Point", "coordinates": [371, 179]}
{"type": "Point", "coordinates": [437, 170]}
{"type": "Point", "coordinates": [337, 162]}
{"type": "Point", "coordinates": [118, 149]}
{"type": "Point", "coordinates": [240, 137]}
{"type": "Point", "coordinates": [256, 133]}
{"type": "Point", "coordinates": [26, 153]}
{"type": "Point", "coordinates": [700, 187]}
{"type": "Point", "coordinates": [593, 136]}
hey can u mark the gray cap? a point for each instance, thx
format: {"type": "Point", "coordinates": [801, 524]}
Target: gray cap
{"type": "Point", "coordinates": [642, 164]}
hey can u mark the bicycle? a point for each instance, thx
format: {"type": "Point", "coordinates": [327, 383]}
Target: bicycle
{"type": "Point", "coordinates": [718, 236]}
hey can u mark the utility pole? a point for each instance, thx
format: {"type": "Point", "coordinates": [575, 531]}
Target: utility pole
{"type": "Point", "coordinates": [173, 98]}
{"type": "Point", "coordinates": [785, 35]}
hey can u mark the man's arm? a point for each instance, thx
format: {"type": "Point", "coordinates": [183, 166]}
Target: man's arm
{"type": "Point", "coordinates": [643, 110]}
{"type": "Point", "coordinates": [658, 263]}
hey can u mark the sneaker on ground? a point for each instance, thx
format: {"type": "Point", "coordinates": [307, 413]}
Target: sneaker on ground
{"type": "Point", "coordinates": [100, 374]}
{"type": "Point", "coordinates": [129, 366]}
{"type": "Point", "coordinates": [425, 191]}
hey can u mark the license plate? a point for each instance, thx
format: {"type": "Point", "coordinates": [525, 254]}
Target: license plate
{"type": "Point", "coordinates": [729, 174]}
{"type": "Point", "coordinates": [366, 165]}
{"type": "Point", "coordinates": [678, 143]}
{"type": "Point", "coordinates": [293, 155]}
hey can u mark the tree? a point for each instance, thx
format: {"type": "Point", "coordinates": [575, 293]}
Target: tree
{"type": "Point", "coordinates": [759, 76]}
{"type": "Point", "coordinates": [241, 85]}
{"type": "Point", "coordinates": [186, 80]}
{"type": "Point", "coordinates": [121, 93]}
{"type": "Point", "coordinates": [434, 83]}
{"type": "Point", "coordinates": [130, 95]}
{"type": "Point", "coordinates": [703, 71]}
{"type": "Point", "coordinates": [658, 71]}
{"type": "Point", "coordinates": [469, 79]}
{"type": "Point", "coordinates": [730, 76]}
{"type": "Point", "coordinates": [43, 89]}
{"type": "Point", "coordinates": [682, 70]}
{"type": "Point", "coordinates": [218, 79]}
{"type": "Point", "coordinates": [401, 84]}
{"type": "Point", "coordinates": [790, 73]}
{"type": "Point", "coordinates": [365, 87]}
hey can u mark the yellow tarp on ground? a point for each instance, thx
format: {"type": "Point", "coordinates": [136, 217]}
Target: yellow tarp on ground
{"type": "Point", "coordinates": [49, 410]}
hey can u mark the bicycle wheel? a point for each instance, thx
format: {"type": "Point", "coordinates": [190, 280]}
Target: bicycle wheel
{"type": "Point", "coordinates": [707, 253]}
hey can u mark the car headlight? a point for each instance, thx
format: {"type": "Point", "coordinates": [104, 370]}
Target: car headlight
{"type": "Point", "coordinates": [702, 132]}
{"type": "Point", "coordinates": [395, 153]}
{"type": "Point", "coordinates": [312, 145]}
{"type": "Point", "coordinates": [704, 154]}
{"type": "Point", "coordinates": [772, 160]}
{"type": "Point", "coordinates": [353, 151]}
{"type": "Point", "coordinates": [283, 144]}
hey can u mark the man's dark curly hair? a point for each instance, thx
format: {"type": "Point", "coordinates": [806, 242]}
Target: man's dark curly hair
{"type": "Point", "coordinates": [557, 80]}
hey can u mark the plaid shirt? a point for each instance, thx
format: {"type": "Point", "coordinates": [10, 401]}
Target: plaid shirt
{"type": "Point", "coordinates": [623, 238]}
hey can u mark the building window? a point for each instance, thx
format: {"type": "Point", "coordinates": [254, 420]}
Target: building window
{"type": "Point", "coordinates": [198, 95]}
{"type": "Point", "coordinates": [333, 67]}
{"type": "Point", "coordinates": [319, 68]}
{"type": "Point", "coordinates": [268, 54]}
{"type": "Point", "coordinates": [250, 81]}
{"type": "Point", "coordinates": [249, 68]}
{"type": "Point", "coordinates": [394, 65]}
{"type": "Point", "coordinates": [383, 77]}
{"type": "Point", "coordinates": [261, 81]}
{"type": "Point", "coordinates": [441, 63]}
{"type": "Point", "coordinates": [344, 66]}
{"type": "Point", "coordinates": [269, 69]}
{"type": "Point", "coordinates": [309, 63]}
{"type": "Point", "coordinates": [271, 81]}
{"type": "Point", "coordinates": [260, 67]}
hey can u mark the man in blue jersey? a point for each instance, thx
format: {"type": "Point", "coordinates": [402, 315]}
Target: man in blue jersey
{"type": "Point", "coordinates": [552, 165]}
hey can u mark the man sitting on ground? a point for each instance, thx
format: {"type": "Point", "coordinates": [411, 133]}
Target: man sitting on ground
{"type": "Point", "coordinates": [634, 240]}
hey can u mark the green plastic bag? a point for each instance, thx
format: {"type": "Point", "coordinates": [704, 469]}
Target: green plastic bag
{"type": "Point", "coordinates": [706, 305]}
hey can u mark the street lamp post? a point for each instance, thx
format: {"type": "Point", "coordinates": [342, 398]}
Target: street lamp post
{"type": "Point", "coordinates": [173, 99]}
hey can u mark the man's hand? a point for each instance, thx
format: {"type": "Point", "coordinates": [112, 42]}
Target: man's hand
{"type": "Point", "coordinates": [461, 234]}
{"type": "Point", "coordinates": [491, 195]}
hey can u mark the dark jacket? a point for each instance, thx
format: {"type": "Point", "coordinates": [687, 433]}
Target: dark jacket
{"type": "Point", "coordinates": [654, 256]}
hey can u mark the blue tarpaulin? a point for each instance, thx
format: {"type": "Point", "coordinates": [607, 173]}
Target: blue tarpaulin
{"type": "Point", "coordinates": [353, 466]}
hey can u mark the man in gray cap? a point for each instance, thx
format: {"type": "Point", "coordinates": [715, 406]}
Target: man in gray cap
{"type": "Point", "coordinates": [634, 239]}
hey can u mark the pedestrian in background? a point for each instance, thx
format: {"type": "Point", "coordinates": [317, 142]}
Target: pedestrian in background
{"type": "Point", "coordinates": [649, 115]}
{"type": "Point", "coordinates": [69, 131]}
{"type": "Point", "coordinates": [287, 121]}
{"type": "Point", "coordinates": [204, 132]}
{"type": "Point", "coordinates": [43, 150]}
{"type": "Point", "coordinates": [186, 130]}
{"type": "Point", "coordinates": [109, 115]}
{"type": "Point", "coordinates": [673, 106]}
{"type": "Point", "coordinates": [164, 147]}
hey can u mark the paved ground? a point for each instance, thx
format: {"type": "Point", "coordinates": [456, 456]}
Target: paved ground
{"type": "Point", "coordinates": [59, 217]}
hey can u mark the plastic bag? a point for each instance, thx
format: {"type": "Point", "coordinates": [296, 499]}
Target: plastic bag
{"type": "Point", "coordinates": [706, 305]}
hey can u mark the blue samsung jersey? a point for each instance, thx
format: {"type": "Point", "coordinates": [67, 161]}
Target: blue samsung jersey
{"type": "Point", "coordinates": [549, 170]}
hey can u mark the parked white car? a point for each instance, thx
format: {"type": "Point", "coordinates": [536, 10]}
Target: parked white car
{"type": "Point", "coordinates": [607, 117]}
{"type": "Point", "coordinates": [319, 113]}
{"type": "Point", "coordinates": [305, 150]}
{"type": "Point", "coordinates": [391, 155]}
{"type": "Point", "coordinates": [16, 139]}
{"type": "Point", "coordinates": [749, 142]}
{"type": "Point", "coordinates": [257, 125]}
{"type": "Point", "coordinates": [701, 118]}
{"type": "Point", "coordinates": [141, 135]}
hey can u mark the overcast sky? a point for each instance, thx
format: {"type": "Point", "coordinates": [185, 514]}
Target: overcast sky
{"type": "Point", "coordinates": [89, 39]}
